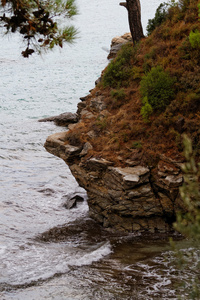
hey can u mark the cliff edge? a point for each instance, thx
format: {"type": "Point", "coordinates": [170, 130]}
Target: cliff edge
{"type": "Point", "coordinates": [126, 146]}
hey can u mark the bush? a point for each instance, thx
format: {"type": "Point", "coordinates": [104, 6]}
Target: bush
{"type": "Point", "coordinates": [119, 70]}
{"type": "Point", "coordinates": [160, 16]}
{"type": "Point", "coordinates": [157, 86]}
{"type": "Point", "coordinates": [146, 109]}
{"type": "Point", "coordinates": [194, 39]}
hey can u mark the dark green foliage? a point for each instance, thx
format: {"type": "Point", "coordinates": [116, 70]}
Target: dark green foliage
{"type": "Point", "coordinates": [157, 86]}
{"type": "Point", "coordinates": [146, 109]}
{"type": "Point", "coordinates": [119, 70]}
{"type": "Point", "coordinates": [160, 16]}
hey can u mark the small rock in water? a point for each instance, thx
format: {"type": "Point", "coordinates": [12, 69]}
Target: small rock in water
{"type": "Point", "coordinates": [63, 119]}
{"type": "Point", "coordinates": [72, 201]}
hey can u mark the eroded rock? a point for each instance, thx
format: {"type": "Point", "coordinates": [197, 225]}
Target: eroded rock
{"type": "Point", "coordinates": [63, 119]}
{"type": "Point", "coordinates": [72, 201]}
{"type": "Point", "coordinates": [117, 42]}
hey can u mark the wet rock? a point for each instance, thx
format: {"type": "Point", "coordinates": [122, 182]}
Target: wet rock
{"type": "Point", "coordinates": [72, 202]}
{"type": "Point", "coordinates": [62, 120]}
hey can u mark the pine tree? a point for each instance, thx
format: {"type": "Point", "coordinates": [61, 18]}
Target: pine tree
{"type": "Point", "coordinates": [134, 18]}
{"type": "Point", "coordinates": [37, 22]}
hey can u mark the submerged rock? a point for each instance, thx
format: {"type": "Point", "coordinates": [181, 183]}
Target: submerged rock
{"type": "Point", "coordinates": [71, 202]}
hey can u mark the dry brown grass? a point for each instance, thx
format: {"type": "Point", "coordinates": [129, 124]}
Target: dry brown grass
{"type": "Point", "coordinates": [123, 134]}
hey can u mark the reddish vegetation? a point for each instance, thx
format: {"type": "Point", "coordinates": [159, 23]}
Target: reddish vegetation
{"type": "Point", "coordinates": [119, 132]}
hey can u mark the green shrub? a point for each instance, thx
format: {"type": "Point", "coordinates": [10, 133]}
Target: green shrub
{"type": "Point", "coordinates": [136, 73]}
{"type": "Point", "coordinates": [146, 109]}
{"type": "Point", "coordinates": [194, 39]}
{"type": "Point", "coordinates": [119, 69]}
{"type": "Point", "coordinates": [157, 86]}
{"type": "Point", "coordinates": [160, 16]}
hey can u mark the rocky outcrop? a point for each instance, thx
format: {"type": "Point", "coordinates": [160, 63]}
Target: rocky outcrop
{"type": "Point", "coordinates": [132, 198]}
{"type": "Point", "coordinates": [125, 199]}
{"type": "Point", "coordinates": [117, 42]}
{"type": "Point", "coordinates": [63, 119]}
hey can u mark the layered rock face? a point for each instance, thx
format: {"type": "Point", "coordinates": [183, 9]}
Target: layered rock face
{"type": "Point", "coordinates": [133, 198]}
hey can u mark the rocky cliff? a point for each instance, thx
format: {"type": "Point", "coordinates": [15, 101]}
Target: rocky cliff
{"type": "Point", "coordinates": [126, 196]}
{"type": "Point", "coordinates": [125, 151]}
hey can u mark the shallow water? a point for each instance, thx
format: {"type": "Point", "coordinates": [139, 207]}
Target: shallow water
{"type": "Point", "coordinates": [47, 251]}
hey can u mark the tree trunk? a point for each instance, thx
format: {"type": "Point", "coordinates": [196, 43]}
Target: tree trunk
{"type": "Point", "coordinates": [134, 17]}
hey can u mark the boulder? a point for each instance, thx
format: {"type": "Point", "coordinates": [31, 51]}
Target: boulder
{"type": "Point", "coordinates": [63, 119]}
{"type": "Point", "coordinates": [72, 201]}
{"type": "Point", "coordinates": [97, 104]}
{"type": "Point", "coordinates": [56, 144]}
{"type": "Point", "coordinates": [117, 42]}
{"type": "Point", "coordinates": [86, 147]}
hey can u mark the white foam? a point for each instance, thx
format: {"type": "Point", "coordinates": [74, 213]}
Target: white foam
{"type": "Point", "coordinates": [93, 256]}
